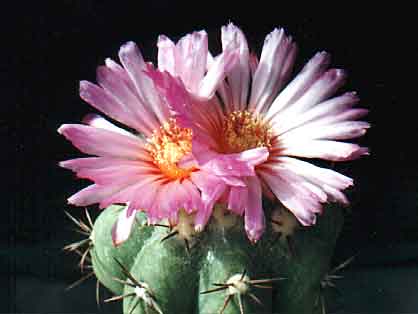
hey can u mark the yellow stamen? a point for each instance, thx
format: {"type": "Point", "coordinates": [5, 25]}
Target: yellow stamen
{"type": "Point", "coordinates": [244, 130]}
{"type": "Point", "coordinates": [167, 146]}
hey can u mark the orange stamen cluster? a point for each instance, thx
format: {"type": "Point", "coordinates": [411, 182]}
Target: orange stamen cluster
{"type": "Point", "coordinates": [167, 146]}
{"type": "Point", "coordinates": [244, 130]}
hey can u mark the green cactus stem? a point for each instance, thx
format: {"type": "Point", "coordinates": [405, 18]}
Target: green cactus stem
{"type": "Point", "coordinates": [174, 270]}
{"type": "Point", "coordinates": [104, 253]}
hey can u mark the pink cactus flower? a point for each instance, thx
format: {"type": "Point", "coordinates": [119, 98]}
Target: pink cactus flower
{"type": "Point", "coordinates": [249, 134]}
{"type": "Point", "coordinates": [150, 168]}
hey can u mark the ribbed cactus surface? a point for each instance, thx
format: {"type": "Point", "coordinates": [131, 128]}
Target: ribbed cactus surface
{"type": "Point", "coordinates": [168, 270]}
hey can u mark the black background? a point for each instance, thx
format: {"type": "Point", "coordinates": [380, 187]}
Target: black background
{"type": "Point", "coordinates": [48, 46]}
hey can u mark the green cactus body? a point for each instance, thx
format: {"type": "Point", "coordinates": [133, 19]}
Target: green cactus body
{"type": "Point", "coordinates": [222, 271]}
{"type": "Point", "coordinates": [104, 253]}
{"type": "Point", "coordinates": [170, 272]}
{"type": "Point", "coordinates": [314, 246]}
{"type": "Point", "coordinates": [227, 254]}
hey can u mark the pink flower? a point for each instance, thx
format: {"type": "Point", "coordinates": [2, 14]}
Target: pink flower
{"type": "Point", "coordinates": [189, 60]}
{"type": "Point", "coordinates": [250, 133]}
{"type": "Point", "coordinates": [150, 168]}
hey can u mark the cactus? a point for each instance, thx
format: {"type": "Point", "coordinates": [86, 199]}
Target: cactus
{"type": "Point", "coordinates": [208, 142]}
{"type": "Point", "coordinates": [158, 270]}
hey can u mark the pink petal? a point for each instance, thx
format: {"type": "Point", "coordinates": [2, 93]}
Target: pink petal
{"type": "Point", "coordinates": [103, 101]}
{"type": "Point", "coordinates": [191, 201]}
{"type": "Point", "coordinates": [325, 149]}
{"type": "Point", "coordinates": [122, 227]}
{"type": "Point", "coordinates": [140, 195]}
{"type": "Point", "coordinates": [223, 89]}
{"type": "Point", "coordinates": [174, 94]}
{"type": "Point", "coordinates": [323, 88]}
{"type": "Point", "coordinates": [254, 156]}
{"type": "Point", "coordinates": [120, 73]}
{"type": "Point", "coordinates": [288, 65]}
{"type": "Point", "coordinates": [110, 176]}
{"type": "Point", "coordinates": [101, 142]}
{"type": "Point", "coordinates": [167, 201]}
{"type": "Point", "coordinates": [254, 214]}
{"type": "Point", "coordinates": [335, 195]}
{"type": "Point", "coordinates": [237, 200]}
{"type": "Point", "coordinates": [233, 181]}
{"type": "Point", "coordinates": [134, 64]}
{"type": "Point", "coordinates": [239, 76]}
{"type": "Point", "coordinates": [350, 114]}
{"type": "Point", "coordinates": [318, 175]}
{"type": "Point", "coordinates": [107, 175]}
{"type": "Point", "coordinates": [187, 114]}
{"type": "Point", "coordinates": [293, 195]}
{"type": "Point", "coordinates": [79, 163]}
{"type": "Point", "coordinates": [127, 98]}
{"type": "Point", "coordinates": [221, 65]}
{"type": "Point", "coordinates": [297, 87]}
{"type": "Point", "coordinates": [267, 75]}
{"type": "Point", "coordinates": [166, 54]}
{"type": "Point", "coordinates": [95, 163]}
{"type": "Point", "coordinates": [191, 55]}
{"type": "Point", "coordinates": [302, 185]}
{"type": "Point", "coordinates": [329, 108]}
{"type": "Point", "coordinates": [99, 122]}
{"type": "Point", "coordinates": [318, 131]}
{"type": "Point", "coordinates": [239, 164]}
{"type": "Point", "coordinates": [211, 189]}
{"type": "Point", "coordinates": [92, 194]}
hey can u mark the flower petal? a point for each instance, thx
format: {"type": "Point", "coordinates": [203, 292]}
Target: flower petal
{"type": "Point", "coordinates": [267, 75]}
{"type": "Point", "coordinates": [320, 90]}
{"type": "Point", "coordinates": [237, 199]}
{"type": "Point", "coordinates": [238, 164]}
{"type": "Point", "coordinates": [187, 115]}
{"type": "Point", "coordinates": [239, 76]}
{"type": "Point", "coordinates": [103, 101]}
{"type": "Point", "coordinates": [211, 189]}
{"type": "Point", "coordinates": [219, 68]}
{"type": "Point", "coordinates": [291, 192]}
{"type": "Point", "coordinates": [318, 175]}
{"type": "Point", "coordinates": [99, 122]}
{"type": "Point", "coordinates": [297, 87]}
{"type": "Point", "coordinates": [134, 64]}
{"type": "Point", "coordinates": [329, 108]}
{"type": "Point", "coordinates": [121, 172]}
{"type": "Point", "coordinates": [92, 194]}
{"type": "Point", "coordinates": [191, 53]}
{"type": "Point", "coordinates": [166, 54]}
{"type": "Point", "coordinates": [78, 164]}
{"type": "Point", "coordinates": [318, 131]}
{"type": "Point", "coordinates": [122, 227]}
{"type": "Point", "coordinates": [127, 98]}
{"type": "Point", "coordinates": [101, 142]}
{"type": "Point", "coordinates": [254, 214]}
{"type": "Point", "coordinates": [325, 149]}
{"type": "Point", "coordinates": [140, 195]}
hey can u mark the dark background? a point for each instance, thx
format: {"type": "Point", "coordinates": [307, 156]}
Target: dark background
{"type": "Point", "coordinates": [48, 46]}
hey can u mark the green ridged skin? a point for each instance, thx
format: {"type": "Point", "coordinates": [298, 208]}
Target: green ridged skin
{"type": "Point", "coordinates": [177, 277]}
{"type": "Point", "coordinates": [224, 256]}
{"type": "Point", "coordinates": [171, 273]}
{"type": "Point", "coordinates": [103, 274]}
{"type": "Point", "coordinates": [313, 246]}
{"type": "Point", "coordinates": [104, 252]}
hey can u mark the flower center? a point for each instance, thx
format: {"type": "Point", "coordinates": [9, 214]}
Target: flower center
{"type": "Point", "coordinates": [244, 130]}
{"type": "Point", "coordinates": [167, 146]}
